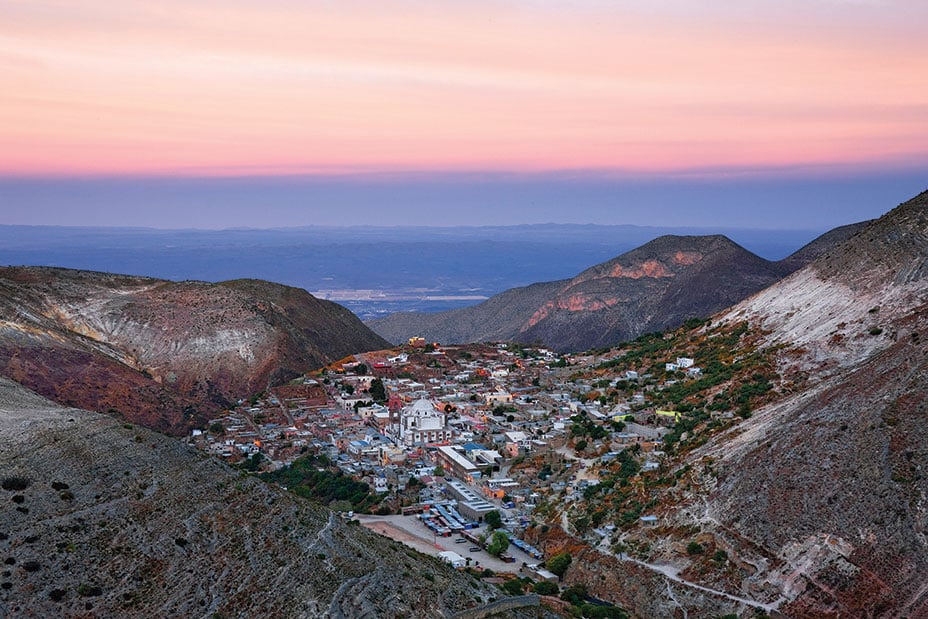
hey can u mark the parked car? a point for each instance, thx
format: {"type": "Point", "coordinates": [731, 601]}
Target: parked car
{"type": "Point", "coordinates": [475, 549]}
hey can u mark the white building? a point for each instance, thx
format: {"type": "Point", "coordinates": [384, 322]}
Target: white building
{"type": "Point", "coordinates": [452, 558]}
{"type": "Point", "coordinates": [421, 422]}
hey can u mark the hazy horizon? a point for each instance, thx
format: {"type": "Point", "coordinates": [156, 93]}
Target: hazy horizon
{"type": "Point", "coordinates": [452, 201]}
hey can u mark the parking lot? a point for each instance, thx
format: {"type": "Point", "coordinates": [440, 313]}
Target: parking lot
{"type": "Point", "coordinates": [409, 530]}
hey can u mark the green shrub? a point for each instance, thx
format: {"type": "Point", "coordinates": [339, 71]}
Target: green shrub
{"type": "Point", "coordinates": [559, 563]}
{"type": "Point", "coordinates": [694, 548]}
{"type": "Point", "coordinates": [85, 590]}
{"type": "Point", "coordinates": [575, 594]}
{"type": "Point", "coordinates": [513, 586]}
{"type": "Point", "coordinates": [545, 588]}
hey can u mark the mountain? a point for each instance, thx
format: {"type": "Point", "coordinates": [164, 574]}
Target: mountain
{"type": "Point", "coordinates": [346, 264]}
{"type": "Point", "coordinates": [163, 353]}
{"type": "Point", "coordinates": [106, 519]}
{"type": "Point", "coordinates": [809, 500]}
{"type": "Point", "coordinates": [658, 285]}
{"type": "Point", "coordinates": [831, 480]}
{"type": "Point", "coordinates": [821, 245]}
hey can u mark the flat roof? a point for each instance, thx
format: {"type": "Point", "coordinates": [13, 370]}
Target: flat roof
{"type": "Point", "coordinates": [457, 458]}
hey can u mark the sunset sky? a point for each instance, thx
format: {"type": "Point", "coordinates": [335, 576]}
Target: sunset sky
{"type": "Point", "coordinates": [328, 103]}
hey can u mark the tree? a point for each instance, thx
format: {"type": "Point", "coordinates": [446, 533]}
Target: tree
{"type": "Point", "coordinates": [493, 519]}
{"type": "Point", "coordinates": [545, 588]}
{"type": "Point", "coordinates": [581, 445]}
{"type": "Point", "coordinates": [559, 563]}
{"type": "Point", "coordinates": [498, 544]}
{"type": "Point", "coordinates": [361, 369]}
{"type": "Point", "coordinates": [439, 471]}
{"type": "Point", "coordinates": [253, 462]}
{"type": "Point", "coordinates": [513, 586]}
{"type": "Point", "coordinates": [378, 391]}
{"type": "Point", "coordinates": [575, 594]}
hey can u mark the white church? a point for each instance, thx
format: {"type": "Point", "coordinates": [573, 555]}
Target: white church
{"type": "Point", "coordinates": [421, 422]}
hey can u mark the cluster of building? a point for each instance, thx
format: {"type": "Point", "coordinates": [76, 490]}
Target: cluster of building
{"type": "Point", "coordinates": [457, 418]}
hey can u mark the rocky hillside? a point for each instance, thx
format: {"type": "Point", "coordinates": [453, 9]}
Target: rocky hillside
{"type": "Point", "coordinates": [820, 246]}
{"type": "Point", "coordinates": [160, 352]}
{"type": "Point", "coordinates": [499, 318]}
{"type": "Point", "coordinates": [830, 481]}
{"type": "Point", "coordinates": [105, 519]}
{"type": "Point", "coordinates": [657, 286]}
{"type": "Point", "coordinates": [813, 503]}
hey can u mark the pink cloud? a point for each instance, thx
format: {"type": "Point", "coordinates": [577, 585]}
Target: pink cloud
{"type": "Point", "coordinates": [174, 87]}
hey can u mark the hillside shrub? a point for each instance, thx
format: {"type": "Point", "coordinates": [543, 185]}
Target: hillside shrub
{"type": "Point", "coordinates": [14, 483]}
{"type": "Point", "coordinates": [559, 563]}
{"type": "Point", "coordinates": [513, 586]}
{"type": "Point", "coordinates": [545, 588]}
{"type": "Point", "coordinates": [694, 548]}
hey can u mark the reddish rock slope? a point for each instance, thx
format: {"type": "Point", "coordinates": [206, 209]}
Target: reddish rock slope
{"type": "Point", "coordinates": [163, 353]}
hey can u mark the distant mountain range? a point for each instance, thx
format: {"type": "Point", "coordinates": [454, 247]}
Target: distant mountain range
{"type": "Point", "coordinates": [163, 353]}
{"type": "Point", "coordinates": [654, 287]}
{"type": "Point", "coordinates": [373, 271]}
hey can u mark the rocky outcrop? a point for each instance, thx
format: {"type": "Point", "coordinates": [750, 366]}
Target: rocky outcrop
{"type": "Point", "coordinates": [163, 353]}
{"type": "Point", "coordinates": [105, 519]}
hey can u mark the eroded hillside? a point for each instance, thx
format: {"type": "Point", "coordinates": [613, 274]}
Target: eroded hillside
{"type": "Point", "coordinates": [162, 353]}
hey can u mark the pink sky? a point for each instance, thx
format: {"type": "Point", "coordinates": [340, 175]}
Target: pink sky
{"type": "Point", "coordinates": [95, 87]}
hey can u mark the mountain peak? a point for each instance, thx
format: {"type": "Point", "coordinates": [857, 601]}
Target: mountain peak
{"type": "Point", "coordinates": [658, 285]}
{"type": "Point", "coordinates": [664, 256]}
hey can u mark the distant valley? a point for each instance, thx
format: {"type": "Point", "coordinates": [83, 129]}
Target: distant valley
{"type": "Point", "coordinates": [372, 271]}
